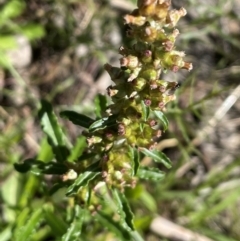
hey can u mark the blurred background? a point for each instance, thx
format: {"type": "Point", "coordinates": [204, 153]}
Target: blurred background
{"type": "Point", "coordinates": [56, 49]}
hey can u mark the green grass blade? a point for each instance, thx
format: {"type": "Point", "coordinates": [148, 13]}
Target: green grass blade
{"type": "Point", "coordinates": [53, 130]}
{"type": "Point", "coordinates": [78, 149]}
{"type": "Point", "coordinates": [58, 226]}
{"type": "Point", "coordinates": [24, 233]}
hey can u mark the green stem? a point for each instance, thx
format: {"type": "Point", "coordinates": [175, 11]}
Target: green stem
{"type": "Point", "coordinates": [136, 236]}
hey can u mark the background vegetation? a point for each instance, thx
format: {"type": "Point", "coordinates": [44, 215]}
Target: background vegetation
{"type": "Point", "coordinates": [55, 50]}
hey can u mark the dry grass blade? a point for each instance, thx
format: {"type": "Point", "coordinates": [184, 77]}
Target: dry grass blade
{"type": "Point", "coordinates": [168, 229]}
{"type": "Point", "coordinates": [219, 114]}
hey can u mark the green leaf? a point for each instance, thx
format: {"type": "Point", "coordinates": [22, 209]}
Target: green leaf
{"type": "Point", "coordinates": [100, 104]}
{"type": "Point", "coordinates": [7, 42]}
{"type": "Point", "coordinates": [45, 153]}
{"type": "Point", "coordinates": [56, 187]}
{"type": "Point", "coordinates": [58, 226]}
{"type": "Point", "coordinates": [124, 209]}
{"type": "Point", "coordinates": [12, 9]}
{"type": "Point", "coordinates": [24, 233]}
{"type": "Point", "coordinates": [6, 233]}
{"type": "Point", "coordinates": [162, 118]}
{"type": "Point", "coordinates": [78, 149]}
{"type": "Point", "coordinates": [135, 157]}
{"type": "Point", "coordinates": [53, 130]}
{"type": "Point", "coordinates": [39, 167]}
{"type": "Point", "coordinates": [75, 229]}
{"type": "Point", "coordinates": [146, 111]}
{"type": "Point", "coordinates": [148, 200]}
{"type": "Point", "coordinates": [4, 60]}
{"type": "Point", "coordinates": [86, 156]}
{"type": "Point", "coordinates": [33, 31]}
{"type": "Point", "coordinates": [103, 123]}
{"type": "Point", "coordinates": [83, 179]}
{"type": "Point", "coordinates": [157, 156]}
{"type": "Point", "coordinates": [11, 185]}
{"type": "Point", "coordinates": [108, 222]}
{"type": "Point", "coordinates": [23, 167]}
{"type": "Point", "coordinates": [76, 118]}
{"type": "Point", "coordinates": [153, 174]}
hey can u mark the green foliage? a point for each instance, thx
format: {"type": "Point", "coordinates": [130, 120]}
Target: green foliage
{"type": "Point", "coordinates": [76, 118]}
{"type": "Point", "coordinates": [157, 157]}
{"type": "Point", "coordinates": [75, 228]}
{"type": "Point", "coordinates": [54, 132]}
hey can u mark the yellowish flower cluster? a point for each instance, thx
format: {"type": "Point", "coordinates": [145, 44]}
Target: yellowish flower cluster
{"type": "Point", "coordinates": [137, 90]}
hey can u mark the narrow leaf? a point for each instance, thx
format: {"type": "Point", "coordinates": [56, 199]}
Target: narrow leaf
{"type": "Point", "coordinates": [50, 126]}
{"type": "Point", "coordinates": [56, 187]}
{"type": "Point", "coordinates": [86, 156]}
{"type": "Point", "coordinates": [25, 232]}
{"type": "Point", "coordinates": [157, 156]}
{"type": "Point", "coordinates": [75, 229]}
{"type": "Point", "coordinates": [103, 123]}
{"type": "Point", "coordinates": [108, 222]}
{"type": "Point", "coordinates": [56, 223]}
{"type": "Point", "coordinates": [82, 180]}
{"type": "Point", "coordinates": [163, 119]}
{"type": "Point", "coordinates": [124, 209]}
{"type": "Point", "coordinates": [76, 118]}
{"type": "Point", "coordinates": [100, 104]}
{"type": "Point", "coordinates": [7, 42]}
{"type": "Point", "coordinates": [33, 31]}
{"type": "Point", "coordinates": [153, 174]}
{"type": "Point", "coordinates": [12, 9]}
{"type": "Point", "coordinates": [135, 157]}
{"type": "Point", "coordinates": [78, 149]}
{"type": "Point", "coordinates": [146, 111]}
{"type": "Point", "coordinates": [39, 167]}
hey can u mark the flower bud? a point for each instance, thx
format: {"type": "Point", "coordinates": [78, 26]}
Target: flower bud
{"type": "Point", "coordinates": [123, 51]}
{"type": "Point", "coordinates": [130, 62]}
{"type": "Point", "coordinates": [161, 105]}
{"type": "Point", "coordinates": [147, 57]}
{"type": "Point", "coordinates": [118, 175]}
{"type": "Point", "coordinates": [139, 83]}
{"type": "Point", "coordinates": [168, 45]}
{"type": "Point", "coordinates": [147, 102]}
{"type": "Point", "coordinates": [146, 7]}
{"type": "Point", "coordinates": [109, 136]}
{"type": "Point", "coordinates": [121, 130]}
{"type": "Point", "coordinates": [149, 34]}
{"type": "Point", "coordinates": [187, 66]}
{"type": "Point", "coordinates": [152, 122]}
{"type": "Point", "coordinates": [111, 91]}
{"type": "Point", "coordinates": [161, 10]}
{"type": "Point", "coordinates": [135, 20]}
{"type": "Point", "coordinates": [94, 140]}
{"type": "Point", "coordinates": [149, 74]}
{"type": "Point", "coordinates": [174, 16]}
{"type": "Point", "coordinates": [70, 175]}
{"type": "Point", "coordinates": [153, 85]}
{"type": "Point", "coordinates": [162, 88]}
